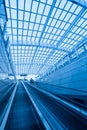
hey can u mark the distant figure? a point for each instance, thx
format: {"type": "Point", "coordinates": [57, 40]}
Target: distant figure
{"type": "Point", "coordinates": [31, 80]}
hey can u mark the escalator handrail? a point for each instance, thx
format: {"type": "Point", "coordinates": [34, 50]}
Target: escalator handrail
{"type": "Point", "coordinates": [8, 108]}
{"type": "Point", "coordinates": [76, 108]}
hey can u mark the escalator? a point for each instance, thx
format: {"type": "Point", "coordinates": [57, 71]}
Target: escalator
{"type": "Point", "coordinates": [5, 94]}
{"type": "Point", "coordinates": [22, 115]}
{"type": "Point", "coordinates": [67, 117]}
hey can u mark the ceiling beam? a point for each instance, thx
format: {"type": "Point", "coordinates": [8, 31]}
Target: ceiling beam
{"type": "Point", "coordinates": [82, 3]}
{"type": "Point", "coordinates": [47, 20]}
{"type": "Point", "coordinates": [18, 64]}
{"type": "Point", "coordinates": [48, 47]}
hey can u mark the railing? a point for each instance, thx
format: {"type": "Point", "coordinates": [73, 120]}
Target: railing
{"type": "Point", "coordinates": [74, 90]}
{"type": "Point", "coordinates": [79, 110]}
{"type": "Point", "coordinates": [7, 109]}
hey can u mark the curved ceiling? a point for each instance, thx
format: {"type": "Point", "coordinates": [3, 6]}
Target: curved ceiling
{"type": "Point", "coordinates": [43, 32]}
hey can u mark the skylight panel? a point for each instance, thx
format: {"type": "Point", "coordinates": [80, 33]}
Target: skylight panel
{"type": "Point", "coordinates": [80, 50]}
{"type": "Point", "coordinates": [50, 29]}
{"type": "Point", "coordinates": [57, 3]}
{"type": "Point", "coordinates": [31, 26]}
{"type": "Point", "coordinates": [68, 5]}
{"type": "Point", "coordinates": [62, 33]}
{"type": "Point", "coordinates": [85, 33]}
{"type": "Point", "coordinates": [47, 9]}
{"type": "Point", "coordinates": [44, 40]}
{"type": "Point", "coordinates": [72, 9]}
{"type": "Point", "coordinates": [23, 47]}
{"type": "Point", "coordinates": [10, 38]}
{"type": "Point", "coordinates": [49, 2]}
{"type": "Point", "coordinates": [62, 4]}
{"type": "Point", "coordinates": [58, 32]}
{"type": "Point", "coordinates": [21, 4]}
{"type": "Point", "coordinates": [25, 32]}
{"type": "Point", "coordinates": [62, 25]}
{"type": "Point", "coordinates": [54, 30]}
{"type": "Point", "coordinates": [36, 26]}
{"type": "Point", "coordinates": [73, 42]}
{"type": "Point", "coordinates": [69, 40]}
{"type": "Point", "coordinates": [70, 34]}
{"type": "Point", "coordinates": [74, 29]}
{"type": "Point", "coordinates": [76, 38]}
{"type": "Point", "coordinates": [73, 36]}
{"type": "Point", "coordinates": [47, 35]}
{"type": "Point", "coordinates": [67, 17]}
{"type": "Point", "coordinates": [38, 18]}
{"type": "Point", "coordinates": [15, 48]}
{"type": "Point", "coordinates": [19, 38]}
{"type": "Point", "coordinates": [77, 31]}
{"type": "Point", "coordinates": [14, 23]}
{"type": "Point", "coordinates": [53, 22]}
{"type": "Point", "coordinates": [78, 10]}
{"type": "Point", "coordinates": [9, 23]}
{"type": "Point", "coordinates": [15, 38]}
{"type": "Point", "coordinates": [55, 42]}
{"type": "Point", "coordinates": [34, 33]}
{"type": "Point", "coordinates": [20, 24]}
{"type": "Point", "coordinates": [26, 16]}
{"type": "Point", "coordinates": [46, 28]}
{"type": "Point", "coordinates": [41, 28]}
{"type": "Point", "coordinates": [24, 38]}
{"type": "Point", "coordinates": [13, 14]}
{"type": "Point", "coordinates": [32, 19]}
{"type": "Point", "coordinates": [33, 39]}
{"type": "Point", "coordinates": [86, 46]}
{"type": "Point", "coordinates": [41, 8]}
{"type": "Point", "coordinates": [13, 3]}
{"type": "Point", "coordinates": [61, 45]}
{"type": "Point", "coordinates": [80, 22]}
{"type": "Point", "coordinates": [14, 32]}
{"type": "Point", "coordinates": [28, 5]}
{"type": "Point", "coordinates": [84, 24]}
{"type": "Point", "coordinates": [34, 6]}
{"type": "Point", "coordinates": [30, 47]}
{"type": "Point", "coordinates": [58, 24]}
{"type": "Point", "coordinates": [7, 3]}
{"type": "Point", "coordinates": [37, 39]}
{"type": "Point", "coordinates": [72, 18]}
{"type": "Point", "coordinates": [25, 25]}
{"type": "Point", "coordinates": [43, 20]}
{"type": "Point", "coordinates": [12, 48]}
{"type": "Point", "coordinates": [9, 31]}
{"type": "Point", "coordinates": [53, 12]}
{"type": "Point", "coordinates": [20, 15]}
{"type": "Point", "coordinates": [85, 16]}
{"type": "Point", "coordinates": [58, 13]}
{"type": "Point", "coordinates": [82, 31]}
{"type": "Point", "coordinates": [28, 39]}
{"type": "Point", "coordinates": [67, 26]}
{"type": "Point", "coordinates": [49, 22]}
{"type": "Point", "coordinates": [69, 47]}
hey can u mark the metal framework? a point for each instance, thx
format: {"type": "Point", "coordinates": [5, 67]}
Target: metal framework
{"type": "Point", "coordinates": [43, 32]}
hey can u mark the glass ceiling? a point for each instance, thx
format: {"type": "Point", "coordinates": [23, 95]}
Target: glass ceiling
{"type": "Point", "coordinates": [42, 32]}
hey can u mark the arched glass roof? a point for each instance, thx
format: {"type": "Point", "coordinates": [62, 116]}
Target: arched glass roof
{"type": "Point", "coordinates": [43, 32]}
